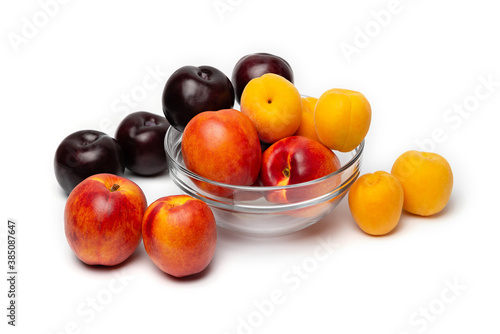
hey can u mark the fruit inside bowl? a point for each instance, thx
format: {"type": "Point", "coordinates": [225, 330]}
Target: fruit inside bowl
{"type": "Point", "coordinates": [252, 209]}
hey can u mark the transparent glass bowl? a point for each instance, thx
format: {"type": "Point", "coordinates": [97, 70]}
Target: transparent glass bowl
{"type": "Point", "coordinates": [254, 210]}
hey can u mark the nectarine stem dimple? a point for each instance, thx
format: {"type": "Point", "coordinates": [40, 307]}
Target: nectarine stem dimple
{"type": "Point", "coordinates": [115, 187]}
{"type": "Point", "coordinates": [286, 172]}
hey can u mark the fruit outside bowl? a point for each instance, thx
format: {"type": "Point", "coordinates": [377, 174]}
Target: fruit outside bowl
{"type": "Point", "coordinates": [248, 210]}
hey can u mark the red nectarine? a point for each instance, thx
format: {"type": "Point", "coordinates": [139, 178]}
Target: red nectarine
{"type": "Point", "coordinates": [222, 146]}
{"type": "Point", "coordinates": [179, 234]}
{"type": "Point", "coordinates": [295, 160]}
{"type": "Point", "coordinates": [102, 219]}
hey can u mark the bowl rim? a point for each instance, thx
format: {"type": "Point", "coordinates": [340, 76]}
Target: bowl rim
{"type": "Point", "coordinates": [169, 146]}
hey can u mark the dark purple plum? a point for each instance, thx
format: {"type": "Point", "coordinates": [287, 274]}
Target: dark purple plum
{"type": "Point", "coordinates": [191, 90]}
{"type": "Point", "coordinates": [85, 153]}
{"type": "Point", "coordinates": [141, 136]}
{"type": "Point", "coordinates": [255, 65]}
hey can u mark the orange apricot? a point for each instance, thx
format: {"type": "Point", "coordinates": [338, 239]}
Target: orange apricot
{"type": "Point", "coordinates": [376, 202]}
{"type": "Point", "coordinates": [342, 119]}
{"type": "Point", "coordinates": [274, 106]}
{"type": "Point", "coordinates": [427, 181]}
{"type": "Point", "coordinates": [306, 127]}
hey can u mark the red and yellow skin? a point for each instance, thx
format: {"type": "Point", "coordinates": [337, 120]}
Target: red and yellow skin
{"type": "Point", "coordinates": [294, 160]}
{"type": "Point", "coordinates": [102, 219]}
{"type": "Point", "coordinates": [179, 234]}
{"type": "Point", "coordinates": [222, 146]}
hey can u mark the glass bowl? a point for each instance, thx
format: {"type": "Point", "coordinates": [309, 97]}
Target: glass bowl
{"type": "Point", "coordinates": [253, 210]}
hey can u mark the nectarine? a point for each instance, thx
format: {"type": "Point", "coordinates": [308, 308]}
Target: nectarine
{"type": "Point", "coordinates": [222, 146]}
{"type": "Point", "coordinates": [102, 219]}
{"type": "Point", "coordinates": [179, 234]}
{"type": "Point", "coordinates": [295, 160]}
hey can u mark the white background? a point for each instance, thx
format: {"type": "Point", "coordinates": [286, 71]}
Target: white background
{"type": "Point", "coordinates": [428, 57]}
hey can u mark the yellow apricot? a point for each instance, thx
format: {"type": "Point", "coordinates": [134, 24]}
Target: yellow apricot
{"type": "Point", "coordinates": [274, 106]}
{"type": "Point", "coordinates": [376, 202]}
{"type": "Point", "coordinates": [306, 127]}
{"type": "Point", "coordinates": [427, 181]}
{"type": "Point", "coordinates": [342, 118]}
